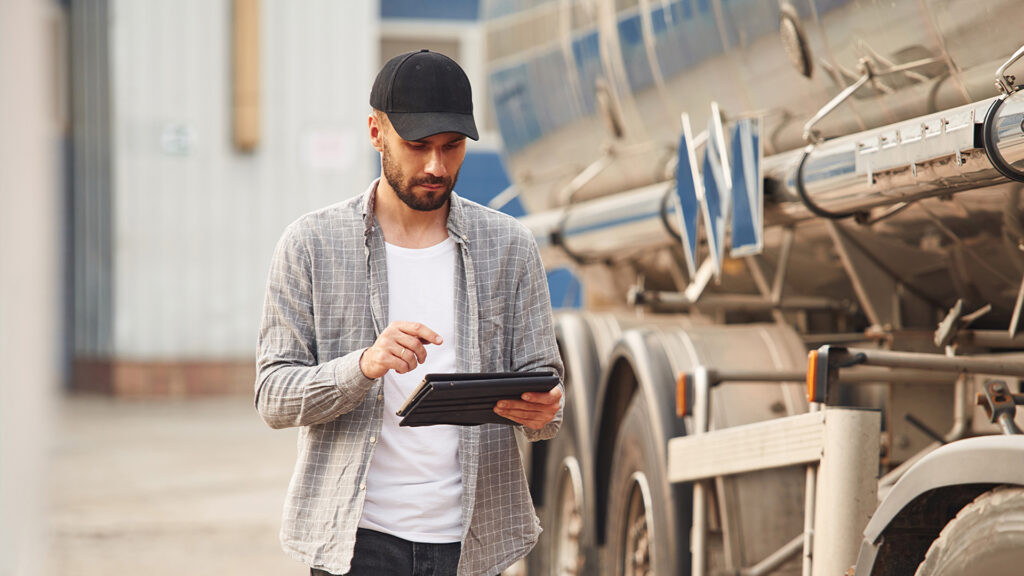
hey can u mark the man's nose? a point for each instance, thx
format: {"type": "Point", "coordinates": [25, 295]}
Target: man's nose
{"type": "Point", "coordinates": [435, 164]}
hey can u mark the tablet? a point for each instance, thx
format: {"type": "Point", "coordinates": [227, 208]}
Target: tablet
{"type": "Point", "coordinates": [468, 399]}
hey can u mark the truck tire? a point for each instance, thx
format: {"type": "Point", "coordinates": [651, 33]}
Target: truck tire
{"type": "Point", "coordinates": [641, 511]}
{"type": "Point", "coordinates": [986, 537]}
{"type": "Point", "coordinates": [568, 533]}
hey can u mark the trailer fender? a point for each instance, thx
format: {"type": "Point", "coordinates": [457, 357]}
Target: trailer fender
{"type": "Point", "coordinates": [576, 343]}
{"type": "Point", "coordinates": [930, 494]}
{"type": "Point", "coordinates": [638, 365]}
{"type": "Point", "coordinates": [579, 356]}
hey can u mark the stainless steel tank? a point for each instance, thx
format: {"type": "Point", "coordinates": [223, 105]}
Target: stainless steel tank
{"type": "Point", "coordinates": [588, 96]}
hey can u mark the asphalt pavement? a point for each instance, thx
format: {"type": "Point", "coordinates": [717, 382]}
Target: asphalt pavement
{"type": "Point", "coordinates": [167, 488]}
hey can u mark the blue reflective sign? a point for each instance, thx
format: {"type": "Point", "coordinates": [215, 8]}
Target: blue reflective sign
{"type": "Point", "coordinates": [747, 189]}
{"type": "Point", "coordinates": [687, 185]}
{"type": "Point", "coordinates": [717, 189]}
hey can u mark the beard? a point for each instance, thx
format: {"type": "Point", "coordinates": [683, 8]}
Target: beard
{"type": "Point", "coordinates": [395, 176]}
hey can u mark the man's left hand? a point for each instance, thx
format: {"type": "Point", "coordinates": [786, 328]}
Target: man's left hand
{"type": "Point", "coordinates": [535, 409]}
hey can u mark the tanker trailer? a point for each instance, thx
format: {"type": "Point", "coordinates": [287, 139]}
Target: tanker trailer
{"type": "Point", "coordinates": [798, 227]}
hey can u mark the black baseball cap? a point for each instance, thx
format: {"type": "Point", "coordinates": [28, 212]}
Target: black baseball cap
{"type": "Point", "coordinates": [424, 93]}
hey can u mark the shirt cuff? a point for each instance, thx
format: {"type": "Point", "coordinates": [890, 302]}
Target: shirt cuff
{"type": "Point", "coordinates": [348, 376]}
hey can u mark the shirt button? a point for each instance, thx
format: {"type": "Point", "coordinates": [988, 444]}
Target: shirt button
{"type": "Point", "coordinates": [380, 396]}
{"type": "Point", "coordinates": [373, 439]}
{"type": "Point", "coordinates": [362, 486]}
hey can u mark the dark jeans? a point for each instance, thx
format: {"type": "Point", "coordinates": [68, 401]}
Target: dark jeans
{"type": "Point", "coordinates": [379, 554]}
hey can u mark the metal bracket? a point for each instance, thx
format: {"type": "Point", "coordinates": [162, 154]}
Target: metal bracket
{"type": "Point", "coordinates": [639, 296]}
{"type": "Point", "coordinates": [826, 371]}
{"type": "Point", "coordinates": [700, 281]}
{"type": "Point", "coordinates": [955, 321]}
{"type": "Point", "coordinates": [1004, 81]}
{"type": "Point", "coordinates": [1001, 405]}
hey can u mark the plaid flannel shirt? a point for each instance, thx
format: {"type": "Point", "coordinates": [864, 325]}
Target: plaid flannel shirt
{"type": "Point", "coordinates": [326, 302]}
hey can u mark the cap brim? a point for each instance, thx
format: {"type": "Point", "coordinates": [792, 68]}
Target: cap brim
{"type": "Point", "coordinates": [419, 125]}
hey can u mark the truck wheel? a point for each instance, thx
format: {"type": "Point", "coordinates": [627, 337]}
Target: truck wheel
{"type": "Point", "coordinates": [986, 537]}
{"type": "Point", "coordinates": [640, 506]}
{"type": "Point", "coordinates": [568, 532]}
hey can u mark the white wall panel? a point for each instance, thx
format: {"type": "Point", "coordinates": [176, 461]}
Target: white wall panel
{"type": "Point", "coordinates": [195, 226]}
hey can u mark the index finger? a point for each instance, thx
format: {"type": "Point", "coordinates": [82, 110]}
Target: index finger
{"type": "Point", "coordinates": [420, 331]}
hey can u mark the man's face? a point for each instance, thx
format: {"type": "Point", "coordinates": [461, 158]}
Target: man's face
{"type": "Point", "coordinates": [421, 172]}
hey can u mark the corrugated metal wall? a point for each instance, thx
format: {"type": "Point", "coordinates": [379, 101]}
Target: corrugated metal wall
{"type": "Point", "coordinates": [91, 196]}
{"type": "Point", "coordinates": [194, 222]}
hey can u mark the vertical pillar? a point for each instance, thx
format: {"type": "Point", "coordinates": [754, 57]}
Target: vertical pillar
{"type": "Point", "coordinates": [29, 295]}
{"type": "Point", "coordinates": [847, 492]}
{"type": "Point", "coordinates": [246, 59]}
{"type": "Point", "coordinates": [701, 423]}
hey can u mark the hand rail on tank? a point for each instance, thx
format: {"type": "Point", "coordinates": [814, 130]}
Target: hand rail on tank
{"type": "Point", "coordinates": [1004, 81]}
{"type": "Point", "coordinates": [813, 137]}
{"type": "Point", "coordinates": [868, 73]}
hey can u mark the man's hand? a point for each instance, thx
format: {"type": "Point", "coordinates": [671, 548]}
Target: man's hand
{"type": "Point", "coordinates": [400, 347]}
{"type": "Point", "coordinates": [535, 409]}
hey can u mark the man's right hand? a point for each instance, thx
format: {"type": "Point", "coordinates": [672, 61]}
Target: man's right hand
{"type": "Point", "coordinates": [400, 347]}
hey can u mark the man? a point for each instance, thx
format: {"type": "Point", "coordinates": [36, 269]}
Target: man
{"type": "Point", "coordinates": [364, 298]}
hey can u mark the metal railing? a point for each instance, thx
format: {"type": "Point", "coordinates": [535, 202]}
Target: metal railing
{"type": "Point", "coordinates": [838, 446]}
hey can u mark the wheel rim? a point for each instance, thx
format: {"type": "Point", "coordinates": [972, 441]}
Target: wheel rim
{"type": "Point", "coordinates": [568, 559]}
{"type": "Point", "coordinates": [637, 554]}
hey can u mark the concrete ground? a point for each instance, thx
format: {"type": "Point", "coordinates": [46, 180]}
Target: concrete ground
{"type": "Point", "coordinates": [167, 488]}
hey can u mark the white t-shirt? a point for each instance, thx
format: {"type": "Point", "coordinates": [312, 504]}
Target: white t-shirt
{"type": "Point", "coordinates": [414, 485]}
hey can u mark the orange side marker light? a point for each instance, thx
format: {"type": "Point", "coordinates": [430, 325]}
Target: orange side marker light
{"type": "Point", "coordinates": [812, 376]}
{"type": "Point", "coordinates": [682, 394]}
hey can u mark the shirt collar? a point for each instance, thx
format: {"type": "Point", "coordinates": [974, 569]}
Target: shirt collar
{"type": "Point", "coordinates": [456, 217]}
{"type": "Point", "coordinates": [366, 202]}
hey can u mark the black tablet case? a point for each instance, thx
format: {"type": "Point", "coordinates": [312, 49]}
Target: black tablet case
{"type": "Point", "coordinates": [468, 399]}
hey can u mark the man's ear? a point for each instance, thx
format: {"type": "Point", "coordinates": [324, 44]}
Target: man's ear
{"type": "Point", "coordinates": [376, 133]}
